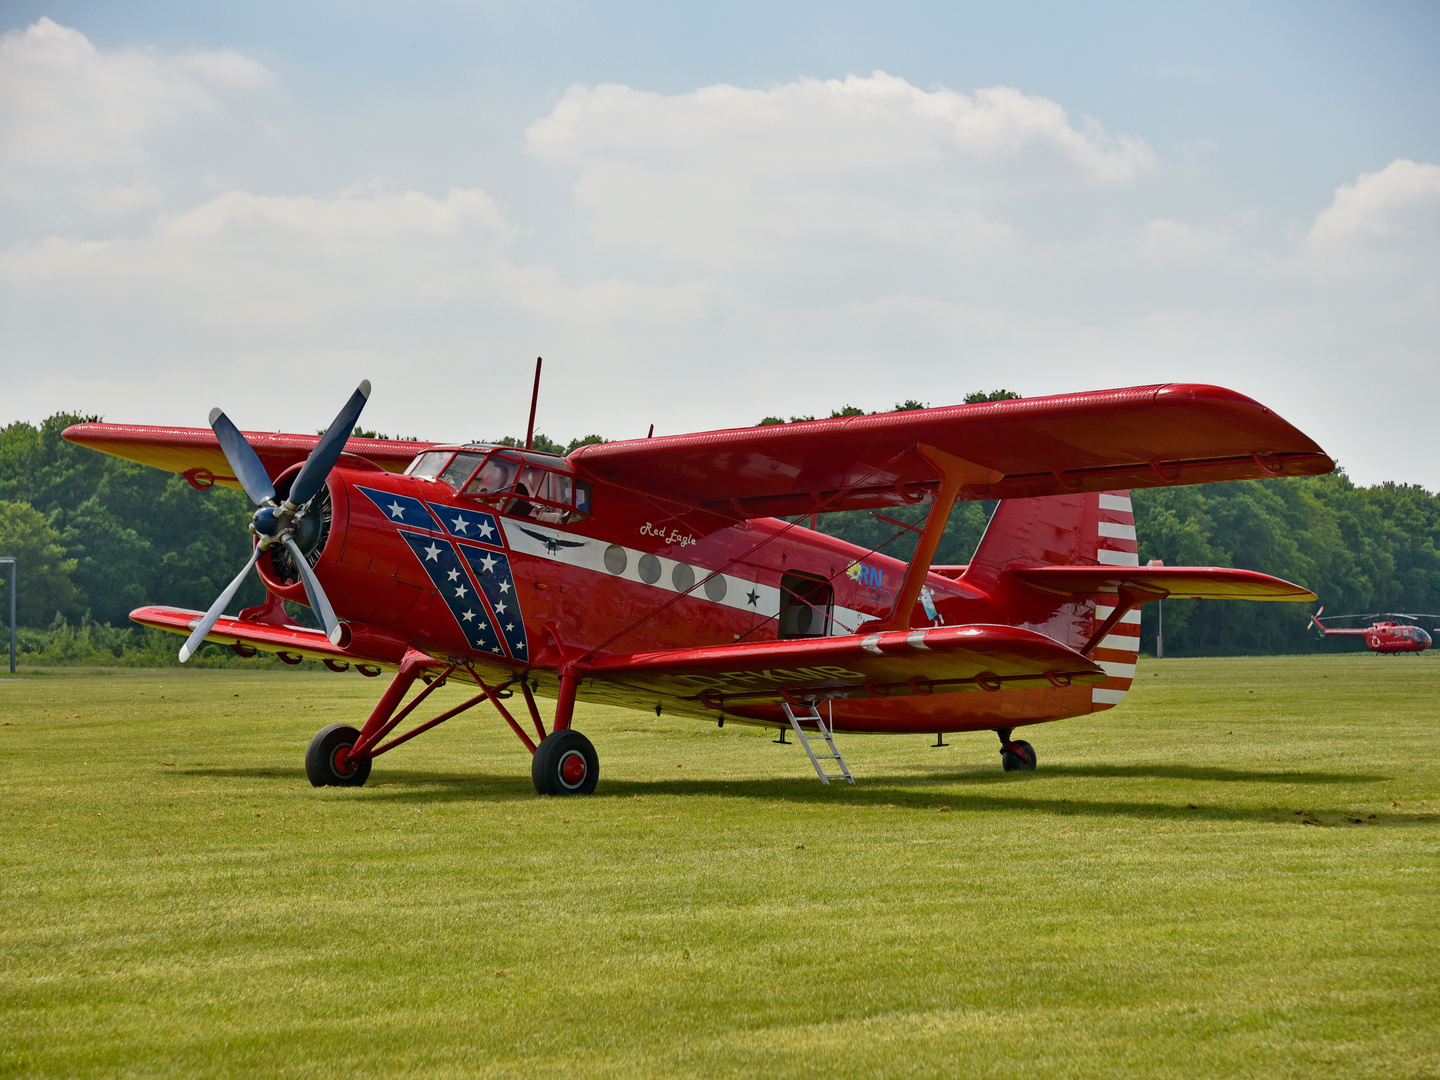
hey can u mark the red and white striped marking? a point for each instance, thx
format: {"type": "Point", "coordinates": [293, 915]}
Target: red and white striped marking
{"type": "Point", "coordinates": [1118, 651]}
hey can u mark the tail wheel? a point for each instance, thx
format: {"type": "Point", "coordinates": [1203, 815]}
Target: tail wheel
{"type": "Point", "coordinates": [565, 763]}
{"type": "Point", "coordinates": [1018, 756]}
{"type": "Point", "coordinates": [328, 762]}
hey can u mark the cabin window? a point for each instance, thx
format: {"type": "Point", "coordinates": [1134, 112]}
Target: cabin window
{"type": "Point", "coordinates": [427, 466]}
{"type": "Point", "coordinates": [806, 602]}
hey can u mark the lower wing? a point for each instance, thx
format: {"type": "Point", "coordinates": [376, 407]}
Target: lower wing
{"type": "Point", "coordinates": [939, 660]}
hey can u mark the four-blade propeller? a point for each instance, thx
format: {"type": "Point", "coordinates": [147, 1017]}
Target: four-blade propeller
{"type": "Point", "coordinates": [275, 522]}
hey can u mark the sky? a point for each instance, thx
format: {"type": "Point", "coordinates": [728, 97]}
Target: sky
{"type": "Point", "coordinates": [704, 215]}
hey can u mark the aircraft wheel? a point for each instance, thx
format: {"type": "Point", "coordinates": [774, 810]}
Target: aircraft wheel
{"type": "Point", "coordinates": [1018, 756]}
{"type": "Point", "coordinates": [326, 766]}
{"type": "Point", "coordinates": [565, 763]}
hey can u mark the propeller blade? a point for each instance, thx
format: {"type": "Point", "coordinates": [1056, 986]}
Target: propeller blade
{"type": "Point", "coordinates": [243, 460]}
{"type": "Point", "coordinates": [319, 602]}
{"type": "Point", "coordinates": [327, 451]}
{"type": "Point", "coordinates": [198, 635]}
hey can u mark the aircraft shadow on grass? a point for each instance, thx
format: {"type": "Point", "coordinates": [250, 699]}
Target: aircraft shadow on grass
{"type": "Point", "coordinates": [962, 793]}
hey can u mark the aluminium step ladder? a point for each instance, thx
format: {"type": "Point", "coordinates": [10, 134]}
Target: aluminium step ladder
{"type": "Point", "coordinates": [809, 713]}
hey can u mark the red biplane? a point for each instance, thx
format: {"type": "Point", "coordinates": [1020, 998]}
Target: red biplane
{"type": "Point", "coordinates": [1385, 636]}
{"type": "Point", "coordinates": [658, 573]}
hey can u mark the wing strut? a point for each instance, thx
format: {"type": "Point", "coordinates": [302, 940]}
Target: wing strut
{"type": "Point", "coordinates": [1128, 599]}
{"type": "Point", "coordinates": [955, 473]}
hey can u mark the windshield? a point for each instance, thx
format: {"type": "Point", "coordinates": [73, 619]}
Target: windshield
{"type": "Point", "coordinates": [428, 465]}
{"type": "Point", "coordinates": [459, 470]}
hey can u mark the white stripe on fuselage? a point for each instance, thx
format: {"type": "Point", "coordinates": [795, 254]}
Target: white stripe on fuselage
{"type": "Point", "coordinates": [589, 554]}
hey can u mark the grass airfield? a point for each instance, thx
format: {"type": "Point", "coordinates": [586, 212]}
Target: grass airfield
{"type": "Point", "coordinates": [1232, 874]}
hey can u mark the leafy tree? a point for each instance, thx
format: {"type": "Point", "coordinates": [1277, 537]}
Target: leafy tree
{"type": "Point", "coordinates": [44, 574]}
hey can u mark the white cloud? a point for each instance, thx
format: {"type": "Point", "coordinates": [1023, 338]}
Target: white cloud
{"type": "Point", "coordinates": [1399, 203]}
{"type": "Point", "coordinates": [90, 120]}
{"type": "Point", "coordinates": [725, 176]}
{"type": "Point", "coordinates": [69, 106]}
{"type": "Point", "coordinates": [1164, 240]}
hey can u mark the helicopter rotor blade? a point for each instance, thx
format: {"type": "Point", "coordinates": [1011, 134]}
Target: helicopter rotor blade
{"type": "Point", "coordinates": [207, 622]}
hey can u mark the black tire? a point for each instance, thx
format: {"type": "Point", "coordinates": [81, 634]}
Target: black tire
{"type": "Point", "coordinates": [1018, 756]}
{"type": "Point", "coordinates": [320, 758]}
{"type": "Point", "coordinates": [565, 763]}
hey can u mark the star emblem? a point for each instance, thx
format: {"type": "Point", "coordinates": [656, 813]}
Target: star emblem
{"type": "Point", "coordinates": [500, 608]}
{"type": "Point", "coordinates": [470, 615]}
{"type": "Point", "coordinates": [488, 563]}
{"type": "Point", "coordinates": [504, 586]}
{"type": "Point", "coordinates": [459, 525]}
{"type": "Point", "coordinates": [453, 575]}
{"type": "Point", "coordinates": [520, 646]}
{"type": "Point", "coordinates": [495, 649]}
{"type": "Point", "coordinates": [461, 591]}
{"type": "Point", "coordinates": [485, 530]}
{"type": "Point", "coordinates": [480, 626]}
{"type": "Point", "coordinates": [396, 510]}
{"type": "Point", "coordinates": [509, 626]}
{"type": "Point", "coordinates": [753, 598]}
{"type": "Point", "coordinates": [432, 553]}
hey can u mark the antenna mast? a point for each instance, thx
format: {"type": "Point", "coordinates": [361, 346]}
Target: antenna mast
{"type": "Point", "coordinates": [534, 397]}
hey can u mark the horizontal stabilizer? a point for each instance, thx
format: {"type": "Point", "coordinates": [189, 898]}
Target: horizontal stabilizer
{"type": "Point", "coordinates": [1182, 582]}
{"type": "Point", "coordinates": [939, 660]}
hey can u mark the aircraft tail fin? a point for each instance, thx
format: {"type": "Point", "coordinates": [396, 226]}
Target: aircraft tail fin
{"type": "Point", "coordinates": [1084, 529]}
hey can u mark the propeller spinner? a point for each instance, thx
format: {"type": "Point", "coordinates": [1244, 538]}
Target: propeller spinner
{"type": "Point", "coordinates": [275, 523]}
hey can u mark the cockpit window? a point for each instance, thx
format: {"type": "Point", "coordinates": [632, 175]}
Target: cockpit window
{"type": "Point", "coordinates": [427, 466]}
{"type": "Point", "coordinates": [497, 475]}
{"type": "Point", "coordinates": [459, 470]}
{"type": "Point", "coordinates": [519, 485]}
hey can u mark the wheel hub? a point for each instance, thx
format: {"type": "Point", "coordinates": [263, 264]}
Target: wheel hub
{"type": "Point", "coordinates": [341, 761]}
{"type": "Point", "coordinates": [572, 769]}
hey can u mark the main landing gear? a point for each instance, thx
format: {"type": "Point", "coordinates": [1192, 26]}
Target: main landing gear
{"type": "Point", "coordinates": [328, 762]}
{"type": "Point", "coordinates": [1017, 756]}
{"type": "Point", "coordinates": [564, 762]}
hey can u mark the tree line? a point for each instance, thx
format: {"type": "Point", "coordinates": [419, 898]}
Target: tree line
{"type": "Point", "coordinates": [97, 536]}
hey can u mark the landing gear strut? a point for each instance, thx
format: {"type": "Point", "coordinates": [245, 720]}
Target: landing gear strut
{"type": "Point", "coordinates": [1017, 756]}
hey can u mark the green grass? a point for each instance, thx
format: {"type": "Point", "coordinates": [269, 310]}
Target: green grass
{"type": "Point", "coordinates": [1233, 874]}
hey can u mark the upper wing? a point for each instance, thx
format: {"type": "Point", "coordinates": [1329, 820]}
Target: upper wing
{"type": "Point", "coordinates": [1099, 441]}
{"type": "Point", "coordinates": [940, 660]}
{"type": "Point", "coordinates": [1189, 582]}
{"type": "Point", "coordinates": [196, 453]}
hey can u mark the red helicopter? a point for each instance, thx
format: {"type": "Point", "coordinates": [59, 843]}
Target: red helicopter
{"type": "Point", "coordinates": [658, 574]}
{"type": "Point", "coordinates": [1386, 636]}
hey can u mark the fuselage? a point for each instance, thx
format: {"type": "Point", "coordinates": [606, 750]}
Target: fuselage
{"type": "Point", "coordinates": [1385, 637]}
{"type": "Point", "coordinates": [505, 579]}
